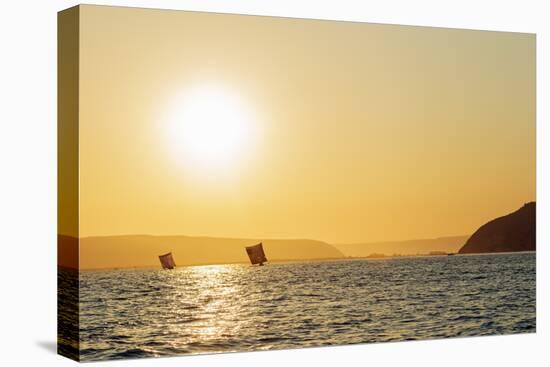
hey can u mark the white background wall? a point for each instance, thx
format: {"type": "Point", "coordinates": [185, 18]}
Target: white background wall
{"type": "Point", "coordinates": [28, 182]}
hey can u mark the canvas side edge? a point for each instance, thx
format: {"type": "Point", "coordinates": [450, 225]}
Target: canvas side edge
{"type": "Point", "coordinates": [68, 341]}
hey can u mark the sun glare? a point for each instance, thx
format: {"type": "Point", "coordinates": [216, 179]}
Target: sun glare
{"type": "Point", "coordinates": [210, 127]}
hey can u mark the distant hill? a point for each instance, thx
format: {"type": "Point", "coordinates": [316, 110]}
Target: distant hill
{"type": "Point", "coordinates": [512, 232]}
{"type": "Point", "coordinates": [407, 247]}
{"type": "Point", "coordinates": [143, 250]}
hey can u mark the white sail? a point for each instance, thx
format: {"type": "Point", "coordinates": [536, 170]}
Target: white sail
{"type": "Point", "coordinates": [256, 254]}
{"type": "Point", "coordinates": [167, 261]}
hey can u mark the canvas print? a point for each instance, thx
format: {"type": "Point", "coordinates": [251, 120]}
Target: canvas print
{"type": "Point", "coordinates": [233, 183]}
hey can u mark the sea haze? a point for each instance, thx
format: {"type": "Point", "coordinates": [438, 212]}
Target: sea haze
{"type": "Point", "coordinates": [226, 308]}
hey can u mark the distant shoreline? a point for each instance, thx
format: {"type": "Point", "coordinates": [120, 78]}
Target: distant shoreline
{"type": "Point", "coordinates": [141, 251]}
{"type": "Point", "coordinates": [288, 261]}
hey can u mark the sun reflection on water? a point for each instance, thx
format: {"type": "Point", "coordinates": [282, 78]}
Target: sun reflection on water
{"type": "Point", "coordinates": [217, 290]}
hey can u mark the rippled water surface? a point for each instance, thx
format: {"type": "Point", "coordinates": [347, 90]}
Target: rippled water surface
{"type": "Point", "coordinates": [206, 309]}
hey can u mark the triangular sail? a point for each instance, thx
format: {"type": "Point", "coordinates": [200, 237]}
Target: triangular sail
{"type": "Point", "coordinates": [256, 254]}
{"type": "Point", "coordinates": [167, 261]}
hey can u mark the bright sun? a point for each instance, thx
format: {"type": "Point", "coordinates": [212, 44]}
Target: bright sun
{"type": "Point", "coordinates": [210, 127]}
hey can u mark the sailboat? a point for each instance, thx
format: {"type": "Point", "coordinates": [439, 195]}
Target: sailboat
{"type": "Point", "coordinates": [167, 261]}
{"type": "Point", "coordinates": [256, 254]}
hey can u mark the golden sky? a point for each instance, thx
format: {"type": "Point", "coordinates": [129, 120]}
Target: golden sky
{"type": "Point", "coordinates": [354, 132]}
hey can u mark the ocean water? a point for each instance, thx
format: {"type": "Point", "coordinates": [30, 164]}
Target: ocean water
{"type": "Point", "coordinates": [211, 309]}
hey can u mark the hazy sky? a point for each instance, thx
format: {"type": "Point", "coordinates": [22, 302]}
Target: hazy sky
{"type": "Point", "coordinates": [355, 132]}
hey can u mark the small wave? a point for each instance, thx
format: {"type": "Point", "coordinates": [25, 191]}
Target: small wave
{"type": "Point", "coordinates": [190, 320]}
{"type": "Point", "coordinates": [272, 339]}
{"type": "Point", "coordinates": [525, 325]}
{"type": "Point", "coordinates": [487, 324]}
{"type": "Point", "coordinates": [87, 351]}
{"type": "Point", "coordinates": [467, 318]}
{"type": "Point", "coordinates": [134, 353]}
{"type": "Point", "coordinates": [190, 307]}
{"type": "Point", "coordinates": [478, 277]}
{"type": "Point", "coordinates": [309, 295]}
